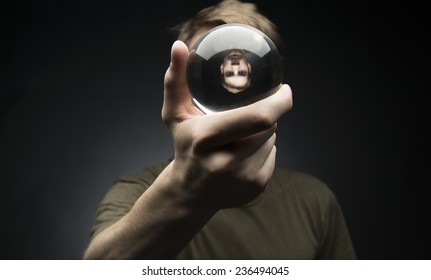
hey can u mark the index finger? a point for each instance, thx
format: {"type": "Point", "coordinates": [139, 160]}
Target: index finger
{"type": "Point", "coordinates": [224, 127]}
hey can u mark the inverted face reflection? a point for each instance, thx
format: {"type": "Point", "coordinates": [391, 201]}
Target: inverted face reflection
{"type": "Point", "coordinates": [235, 71]}
{"type": "Point", "coordinates": [232, 65]}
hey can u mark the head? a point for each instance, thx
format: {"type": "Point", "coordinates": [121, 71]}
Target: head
{"type": "Point", "coordinates": [226, 11]}
{"type": "Point", "coordinates": [235, 71]}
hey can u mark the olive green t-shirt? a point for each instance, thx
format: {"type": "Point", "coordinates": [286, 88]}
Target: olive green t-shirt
{"type": "Point", "coordinates": [297, 217]}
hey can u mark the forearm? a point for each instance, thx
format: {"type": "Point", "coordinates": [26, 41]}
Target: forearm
{"type": "Point", "coordinates": [159, 225]}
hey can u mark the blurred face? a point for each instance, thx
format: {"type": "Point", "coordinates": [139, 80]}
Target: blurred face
{"type": "Point", "coordinates": [235, 70]}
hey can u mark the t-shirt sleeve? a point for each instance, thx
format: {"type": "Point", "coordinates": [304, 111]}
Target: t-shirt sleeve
{"type": "Point", "coordinates": [336, 242]}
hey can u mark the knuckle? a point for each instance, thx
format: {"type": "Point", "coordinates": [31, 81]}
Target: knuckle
{"type": "Point", "coordinates": [199, 141]}
{"type": "Point", "coordinates": [265, 118]}
{"type": "Point", "coordinates": [222, 164]}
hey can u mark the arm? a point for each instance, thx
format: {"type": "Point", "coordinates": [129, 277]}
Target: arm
{"type": "Point", "coordinates": [221, 160]}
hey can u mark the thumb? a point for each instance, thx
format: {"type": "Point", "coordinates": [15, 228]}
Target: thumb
{"type": "Point", "coordinates": [177, 99]}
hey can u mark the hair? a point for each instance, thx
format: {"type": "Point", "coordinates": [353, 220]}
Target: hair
{"type": "Point", "coordinates": [228, 11]}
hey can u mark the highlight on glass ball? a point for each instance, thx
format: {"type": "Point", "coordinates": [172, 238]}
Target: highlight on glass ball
{"type": "Point", "coordinates": [233, 65]}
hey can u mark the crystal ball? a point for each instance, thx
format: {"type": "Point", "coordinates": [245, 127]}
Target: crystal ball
{"type": "Point", "coordinates": [233, 65]}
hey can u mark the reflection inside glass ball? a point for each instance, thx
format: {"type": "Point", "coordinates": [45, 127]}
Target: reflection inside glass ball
{"type": "Point", "coordinates": [233, 65]}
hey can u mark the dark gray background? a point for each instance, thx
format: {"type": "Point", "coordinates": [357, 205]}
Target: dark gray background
{"type": "Point", "coordinates": [81, 93]}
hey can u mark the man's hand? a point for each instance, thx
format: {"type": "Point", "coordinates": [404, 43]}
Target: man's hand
{"type": "Point", "coordinates": [223, 159]}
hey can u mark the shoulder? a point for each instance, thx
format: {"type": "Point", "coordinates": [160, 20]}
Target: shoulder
{"type": "Point", "coordinates": [122, 195]}
{"type": "Point", "coordinates": [295, 176]}
{"type": "Point", "coordinates": [131, 187]}
{"type": "Point", "coordinates": [298, 180]}
{"type": "Point", "coordinates": [301, 186]}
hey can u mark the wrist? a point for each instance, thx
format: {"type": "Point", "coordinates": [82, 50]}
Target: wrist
{"type": "Point", "coordinates": [178, 192]}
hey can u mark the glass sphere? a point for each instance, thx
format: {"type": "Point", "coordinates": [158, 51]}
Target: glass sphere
{"type": "Point", "coordinates": [233, 65]}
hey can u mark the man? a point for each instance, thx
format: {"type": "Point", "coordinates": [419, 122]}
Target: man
{"type": "Point", "coordinates": [220, 196]}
